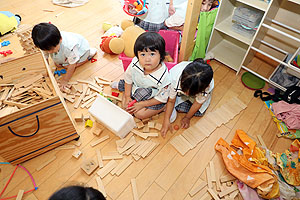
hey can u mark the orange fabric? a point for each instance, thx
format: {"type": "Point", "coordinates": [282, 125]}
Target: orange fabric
{"type": "Point", "coordinates": [254, 175]}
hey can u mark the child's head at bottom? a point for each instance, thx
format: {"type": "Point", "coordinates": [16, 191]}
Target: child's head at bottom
{"type": "Point", "coordinates": [77, 193]}
{"type": "Point", "coordinates": [196, 77]}
{"type": "Point", "coordinates": [150, 42]}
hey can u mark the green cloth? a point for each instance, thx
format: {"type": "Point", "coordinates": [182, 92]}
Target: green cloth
{"type": "Point", "coordinates": [206, 23]}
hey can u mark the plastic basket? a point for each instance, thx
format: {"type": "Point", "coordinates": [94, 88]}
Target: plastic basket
{"type": "Point", "coordinates": [127, 2]}
{"type": "Point", "coordinates": [172, 43]}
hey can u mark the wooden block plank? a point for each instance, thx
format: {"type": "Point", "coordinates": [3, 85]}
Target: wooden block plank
{"type": "Point", "coordinates": [218, 184]}
{"type": "Point", "coordinates": [145, 147]}
{"type": "Point", "coordinates": [150, 149]}
{"type": "Point", "coordinates": [135, 146]}
{"type": "Point", "coordinates": [228, 190]}
{"type": "Point", "coordinates": [19, 105]}
{"type": "Point", "coordinates": [233, 194]}
{"type": "Point", "coordinates": [123, 162]}
{"type": "Point", "coordinates": [101, 81]}
{"type": "Point", "coordinates": [128, 145]}
{"type": "Point", "coordinates": [46, 163]}
{"type": "Point", "coordinates": [228, 111]}
{"type": "Point", "coordinates": [76, 154]}
{"type": "Point", "coordinates": [226, 178]}
{"type": "Point", "coordinates": [107, 168]}
{"type": "Point", "coordinates": [152, 134]}
{"type": "Point", "coordinates": [203, 128]}
{"type": "Point", "coordinates": [208, 177]}
{"type": "Point", "coordinates": [197, 188]}
{"type": "Point", "coordinates": [78, 88]}
{"type": "Point", "coordinates": [174, 142]}
{"type": "Point", "coordinates": [101, 186]}
{"type": "Point", "coordinates": [121, 143]}
{"type": "Point", "coordinates": [5, 93]}
{"type": "Point", "coordinates": [88, 102]}
{"type": "Point", "coordinates": [88, 166]}
{"type": "Point", "coordinates": [102, 139]}
{"type": "Point", "coordinates": [238, 102]}
{"type": "Point", "coordinates": [185, 142]}
{"type": "Point", "coordinates": [213, 194]}
{"type": "Point", "coordinates": [206, 196]}
{"type": "Point", "coordinates": [79, 117]}
{"type": "Point", "coordinates": [210, 116]}
{"type": "Point", "coordinates": [20, 195]}
{"type": "Point", "coordinates": [191, 140]}
{"type": "Point", "coordinates": [182, 143]}
{"type": "Point", "coordinates": [151, 124]}
{"type": "Point", "coordinates": [140, 125]}
{"type": "Point", "coordinates": [212, 171]}
{"type": "Point", "coordinates": [134, 189]}
{"type": "Point", "coordinates": [146, 129]}
{"type": "Point", "coordinates": [136, 157]}
{"type": "Point", "coordinates": [209, 124]}
{"type": "Point", "coordinates": [76, 105]}
{"type": "Point", "coordinates": [261, 141]}
{"type": "Point", "coordinates": [158, 126]}
{"type": "Point", "coordinates": [124, 167]}
{"type": "Point", "coordinates": [218, 112]}
{"type": "Point", "coordinates": [112, 157]}
{"type": "Point", "coordinates": [103, 78]}
{"type": "Point", "coordinates": [99, 158]}
{"type": "Point", "coordinates": [141, 146]}
{"type": "Point", "coordinates": [138, 133]}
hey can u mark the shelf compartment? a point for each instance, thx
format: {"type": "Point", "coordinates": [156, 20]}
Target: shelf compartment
{"type": "Point", "coordinates": [226, 27]}
{"type": "Point", "coordinates": [258, 4]}
{"type": "Point", "coordinates": [227, 50]}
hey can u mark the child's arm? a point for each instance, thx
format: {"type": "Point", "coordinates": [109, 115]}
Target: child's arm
{"type": "Point", "coordinates": [185, 121]}
{"type": "Point", "coordinates": [166, 123]}
{"type": "Point", "coordinates": [142, 104]}
{"type": "Point", "coordinates": [127, 95]}
{"type": "Point", "coordinates": [65, 79]}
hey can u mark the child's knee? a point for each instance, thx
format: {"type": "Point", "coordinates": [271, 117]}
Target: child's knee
{"type": "Point", "coordinates": [140, 115]}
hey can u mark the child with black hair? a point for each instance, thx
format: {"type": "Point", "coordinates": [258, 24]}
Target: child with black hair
{"type": "Point", "coordinates": [190, 92]}
{"type": "Point", "coordinates": [146, 78]}
{"type": "Point", "coordinates": [77, 193]}
{"type": "Point", "coordinates": [69, 50]}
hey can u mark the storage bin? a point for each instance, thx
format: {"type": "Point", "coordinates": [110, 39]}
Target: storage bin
{"type": "Point", "coordinates": [249, 33]}
{"type": "Point", "coordinates": [294, 64]}
{"type": "Point", "coordinates": [39, 127]}
{"type": "Point", "coordinates": [247, 16]}
{"type": "Point", "coordinates": [172, 44]}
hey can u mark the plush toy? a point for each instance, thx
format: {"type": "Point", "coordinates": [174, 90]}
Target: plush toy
{"type": "Point", "coordinates": [112, 44]}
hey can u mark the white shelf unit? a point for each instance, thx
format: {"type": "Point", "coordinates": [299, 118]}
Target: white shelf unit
{"type": "Point", "coordinates": [277, 35]}
{"type": "Point", "coordinates": [228, 46]}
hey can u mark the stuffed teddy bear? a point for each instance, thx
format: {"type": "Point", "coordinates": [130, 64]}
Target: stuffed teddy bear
{"type": "Point", "coordinates": [114, 44]}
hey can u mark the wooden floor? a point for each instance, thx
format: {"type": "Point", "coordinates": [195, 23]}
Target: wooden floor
{"type": "Point", "coordinates": [165, 174]}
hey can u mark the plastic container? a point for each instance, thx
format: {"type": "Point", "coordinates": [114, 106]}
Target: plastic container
{"type": "Point", "coordinates": [249, 33]}
{"type": "Point", "coordinates": [294, 64]}
{"type": "Point", "coordinates": [247, 16]}
{"type": "Point", "coordinates": [126, 10]}
{"type": "Point", "coordinates": [172, 44]}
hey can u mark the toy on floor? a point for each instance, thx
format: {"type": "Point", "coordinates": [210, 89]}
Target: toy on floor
{"type": "Point", "coordinates": [5, 43]}
{"type": "Point", "coordinates": [135, 7]}
{"type": "Point", "coordinates": [60, 72]}
{"type": "Point", "coordinates": [8, 22]}
{"type": "Point", "coordinates": [5, 53]}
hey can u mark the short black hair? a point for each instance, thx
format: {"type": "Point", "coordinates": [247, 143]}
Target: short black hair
{"type": "Point", "coordinates": [150, 40]}
{"type": "Point", "coordinates": [77, 193]}
{"type": "Point", "coordinates": [196, 77]}
{"type": "Point", "coordinates": [45, 36]}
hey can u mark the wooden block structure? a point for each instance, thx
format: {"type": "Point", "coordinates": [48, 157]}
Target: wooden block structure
{"type": "Point", "coordinates": [24, 35]}
{"type": "Point", "coordinates": [206, 125]}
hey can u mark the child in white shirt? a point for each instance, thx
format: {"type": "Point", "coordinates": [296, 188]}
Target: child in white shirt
{"type": "Point", "coordinates": [191, 89]}
{"type": "Point", "coordinates": [69, 50]}
{"type": "Point", "coordinates": [146, 78]}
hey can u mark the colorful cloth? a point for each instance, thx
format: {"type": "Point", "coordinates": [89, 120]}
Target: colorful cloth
{"type": "Point", "coordinates": [289, 113]}
{"type": "Point", "coordinates": [255, 175]}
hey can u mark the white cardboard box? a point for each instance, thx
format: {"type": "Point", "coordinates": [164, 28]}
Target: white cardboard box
{"type": "Point", "coordinates": [113, 117]}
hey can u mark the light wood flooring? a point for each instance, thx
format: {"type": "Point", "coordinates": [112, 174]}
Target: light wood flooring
{"type": "Point", "coordinates": [165, 174]}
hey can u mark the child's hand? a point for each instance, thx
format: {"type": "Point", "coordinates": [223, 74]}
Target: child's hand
{"type": "Point", "coordinates": [165, 127]}
{"type": "Point", "coordinates": [136, 107]}
{"type": "Point", "coordinates": [64, 86]}
{"type": "Point", "coordinates": [125, 102]}
{"type": "Point", "coordinates": [185, 122]}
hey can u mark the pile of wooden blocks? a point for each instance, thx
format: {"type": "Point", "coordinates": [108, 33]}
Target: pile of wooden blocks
{"type": "Point", "coordinates": [31, 90]}
{"type": "Point", "coordinates": [215, 187]}
{"type": "Point", "coordinates": [24, 34]}
{"type": "Point", "coordinates": [206, 125]}
{"type": "Point", "coordinates": [87, 92]}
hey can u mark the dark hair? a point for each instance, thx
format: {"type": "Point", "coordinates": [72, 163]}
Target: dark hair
{"type": "Point", "coordinates": [45, 36]}
{"type": "Point", "coordinates": [150, 40]}
{"type": "Point", "coordinates": [77, 193]}
{"type": "Point", "coordinates": [196, 76]}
